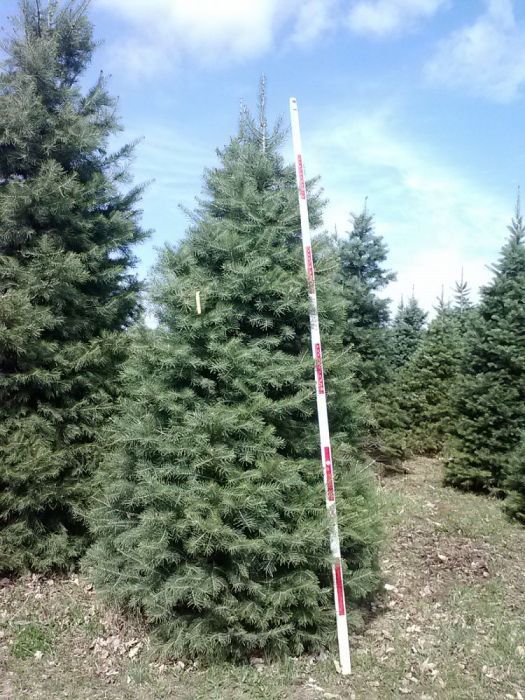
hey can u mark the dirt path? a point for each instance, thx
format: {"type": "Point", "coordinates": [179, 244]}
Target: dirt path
{"type": "Point", "coordinates": [450, 623]}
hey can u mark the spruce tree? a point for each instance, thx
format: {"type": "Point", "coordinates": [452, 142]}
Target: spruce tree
{"type": "Point", "coordinates": [363, 254]}
{"type": "Point", "coordinates": [406, 332]}
{"type": "Point", "coordinates": [66, 292]}
{"type": "Point", "coordinates": [514, 504]}
{"type": "Point", "coordinates": [427, 381]}
{"type": "Point", "coordinates": [490, 402]}
{"type": "Point", "coordinates": [462, 303]}
{"type": "Point", "coordinates": [213, 521]}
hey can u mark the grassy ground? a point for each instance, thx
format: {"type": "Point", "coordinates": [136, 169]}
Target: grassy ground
{"type": "Point", "coordinates": [450, 624]}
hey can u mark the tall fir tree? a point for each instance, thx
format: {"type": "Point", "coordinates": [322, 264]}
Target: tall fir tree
{"type": "Point", "coordinates": [363, 254]}
{"type": "Point", "coordinates": [406, 332]}
{"type": "Point", "coordinates": [462, 302]}
{"type": "Point", "coordinates": [66, 291]}
{"type": "Point", "coordinates": [427, 381]}
{"type": "Point", "coordinates": [388, 443]}
{"type": "Point", "coordinates": [490, 401]}
{"type": "Point", "coordinates": [213, 521]}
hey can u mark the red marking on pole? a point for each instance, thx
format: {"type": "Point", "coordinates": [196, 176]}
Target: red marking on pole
{"type": "Point", "coordinates": [319, 368]}
{"type": "Point", "coordinates": [302, 188]}
{"type": "Point", "coordinates": [330, 491]}
{"type": "Point", "coordinates": [310, 274]}
{"type": "Point", "coordinates": [338, 575]}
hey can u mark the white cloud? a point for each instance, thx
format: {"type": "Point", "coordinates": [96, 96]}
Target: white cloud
{"type": "Point", "coordinates": [486, 57]}
{"type": "Point", "coordinates": [435, 219]}
{"type": "Point", "coordinates": [160, 33]}
{"type": "Point", "coordinates": [383, 18]}
{"type": "Point", "coordinates": [211, 32]}
{"type": "Point", "coordinates": [313, 18]}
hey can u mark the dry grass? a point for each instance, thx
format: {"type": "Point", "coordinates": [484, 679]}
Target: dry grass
{"type": "Point", "coordinates": [450, 624]}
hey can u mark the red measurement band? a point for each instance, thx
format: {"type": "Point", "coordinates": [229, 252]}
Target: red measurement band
{"type": "Point", "coordinates": [338, 575]}
{"type": "Point", "coordinates": [310, 270]}
{"type": "Point", "coordinates": [330, 491]}
{"type": "Point", "coordinates": [302, 188]}
{"type": "Point", "coordinates": [319, 368]}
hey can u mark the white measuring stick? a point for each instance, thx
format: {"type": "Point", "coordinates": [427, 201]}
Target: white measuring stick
{"type": "Point", "coordinates": [322, 413]}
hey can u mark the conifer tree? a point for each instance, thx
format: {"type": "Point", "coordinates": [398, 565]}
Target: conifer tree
{"type": "Point", "coordinates": [213, 521]}
{"type": "Point", "coordinates": [490, 401]}
{"type": "Point", "coordinates": [462, 302]}
{"type": "Point", "coordinates": [407, 331]}
{"type": "Point", "coordinates": [66, 291]}
{"type": "Point", "coordinates": [427, 381]}
{"type": "Point", "coordinates": [363, 254]}
{"type": "Point", "coordinates": [514, 504]}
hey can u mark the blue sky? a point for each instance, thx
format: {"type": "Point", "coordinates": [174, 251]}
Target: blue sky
{"type": "Point", "coordinates": [417, 104]}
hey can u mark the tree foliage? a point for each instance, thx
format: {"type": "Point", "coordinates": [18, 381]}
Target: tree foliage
{"type": "Point", "coordinates": [66, 292]}
{"type": "Point", "coordinates": [363, 254]}
{"type": "Point", "coordinates": [490, 402]}
{"type": "Point", "coordinates": [407, 331]}
{"type": "Point", "coordinates": [428, 380]}
{"type": "Point", "coordinates": [213, 522]}
{"type": "Point", "coordinates": [514, 504]}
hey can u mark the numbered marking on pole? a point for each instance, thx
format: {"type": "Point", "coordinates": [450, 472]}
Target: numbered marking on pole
{"type": "Point", "coordinates": [300, 170]}
{"type": "Point", "coordinates": [340, 591]}
{"type": "Point", "coordinates": [319, 368]}
{"type": "Point", "coordinates": [329, 473]}
{"type": "Point", "coordinates": [310, 274]}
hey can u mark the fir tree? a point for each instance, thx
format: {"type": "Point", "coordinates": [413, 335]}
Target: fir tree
{"type": "Point", "coordinates": [407, 331]}
{"type": "Point", "coordinates": [213, 520]}
{"type": "Point", "coordinates": [66, 292]}
{"type": "Point", "coordinates": [514, 504]}
{"type": "Point", "coordinates": [463, 308]}
{"type": "Point", "coordinates": [363, 254]}
{"type": "Point", "coordinates": [427, 381]}
{"type": "Point", "coordinates": [491, 392]}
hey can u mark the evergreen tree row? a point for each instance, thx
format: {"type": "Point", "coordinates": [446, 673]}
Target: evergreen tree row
{"type": "Point", "coordinates": [186, 457]}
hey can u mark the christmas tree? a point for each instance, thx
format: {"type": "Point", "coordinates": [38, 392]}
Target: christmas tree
{"type": "Point", "coordinates": [427, 382]}
{"type": "Point", "coordinates": [66, 292]}
{"type": "Point", "coordinates": [363, 254]}
{"type": "Point", "coordinates": [462, 303]}
{"type": "Point", "coordinates": [213, 521]}
{"type": "Point", "coordinates": [491, 391]}
{"type": "Point", "coordinates": [406, 332]}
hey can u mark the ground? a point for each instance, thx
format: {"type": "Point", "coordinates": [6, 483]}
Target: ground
{"type": "Point", "coordinates": [449, 624]}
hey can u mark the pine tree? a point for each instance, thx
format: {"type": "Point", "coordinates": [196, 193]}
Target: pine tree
{"type": "Point", "coordinates": [491, 391]}
{"type": "Point", "coordinates": [363, 254]}
{"type": "Point", "coordinates": [514, 504]}
{"type": "Point", "coordinates": [462, 302]}
{"type": "Point", "coordinates": [407, 331]}
{"type": "Point", "coordinates": [66, 292]}
{"type": "Point", "coordinates": [213, 521]}
{"type": "Point", "coordinates": [427, 381]}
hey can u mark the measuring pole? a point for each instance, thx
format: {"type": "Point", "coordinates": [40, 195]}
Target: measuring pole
{"type": "Point", "coordinates": [322, 413]}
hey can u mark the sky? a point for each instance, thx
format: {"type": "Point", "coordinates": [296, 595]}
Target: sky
{"type": "Point", "coordinates": [417, 105]}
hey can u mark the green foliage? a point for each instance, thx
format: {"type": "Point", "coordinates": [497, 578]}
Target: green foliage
{"type": "Point", "coordinates": [514, 504]}
{"type": "Point", "coordinates": [362, 255]}
{"type": "Point", "coordinates": [463, 306]}
{"type": "Point", "coordinates": [407, 332]}
{"type": "Point", "coordinates": [66, 293]}
{"type": "Point", "coordinates": [213, 522]}
{"type": "Point", "coordinates": [490, 402]}
{"type": "Point", "coordinates": [427, 382]}
{"type": "Point", "coordinates": [388, 443]}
